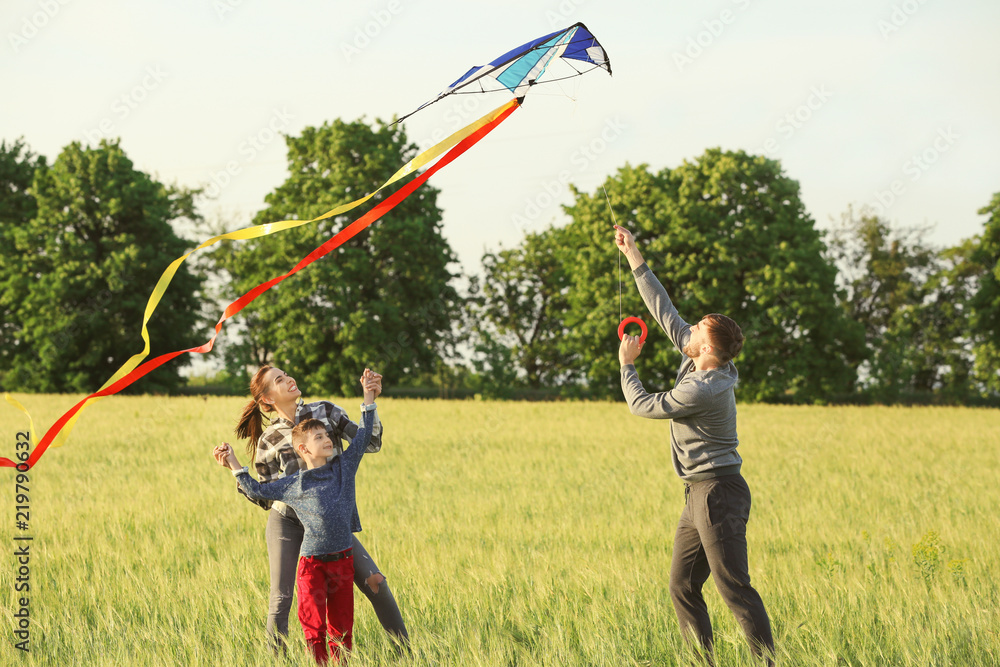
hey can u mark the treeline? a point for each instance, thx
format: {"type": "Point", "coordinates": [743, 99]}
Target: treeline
{"type": "Point", "coordinates": [866, 312]}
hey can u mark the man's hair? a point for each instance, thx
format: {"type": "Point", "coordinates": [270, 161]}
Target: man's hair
{"type": "Point", "coordinates": [725, 336]}
{"type": "Point", "coordinates": [303, 429]}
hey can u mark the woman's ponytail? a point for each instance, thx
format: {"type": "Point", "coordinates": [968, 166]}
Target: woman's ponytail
{"type": "Point", "coordinates": [251, 422]}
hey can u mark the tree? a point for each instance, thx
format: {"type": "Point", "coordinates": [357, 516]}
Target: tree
{"type": "Point", "coordinates": [90, 255]}
{"type": "Point", "coordinates": [942, 328]}
{"type": "Point", "coordinates": [383, 299]}
{"type": "Point", "coordinates": [495, 365]}
{"type": "Point", "coordinates": [924, 310]}
{"type": "Point", "coordinates": [519, 307]}
{"type": "Point", "coordinates": [985, 304]}
{"type": "Point", "coordinates": [17, 208]}
{"type": "Point", "coordinates": [726, 233]}
{"type": "Point", "coordinates": [17, 170]}
{"type": "Point", "coordinates": [885, 273]}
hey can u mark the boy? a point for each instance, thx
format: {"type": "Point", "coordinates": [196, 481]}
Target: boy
{"type": "Point", "coordinates": [323, 497]}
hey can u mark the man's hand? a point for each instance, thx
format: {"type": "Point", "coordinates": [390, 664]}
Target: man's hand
{"type": "Point", "coordinates": [624, 239]}
{"type": "Point", "coordinates": [629, 349]}
{"type": "Point", "coordinates": [226, 458]}
{"type": "Point", "coordinates": [626, 243]}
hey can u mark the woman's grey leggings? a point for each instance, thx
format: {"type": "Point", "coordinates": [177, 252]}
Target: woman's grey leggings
{"type": "Point", "coordinates": [284, 537]}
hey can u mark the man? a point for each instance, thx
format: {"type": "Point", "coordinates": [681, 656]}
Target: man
{"type": "Point", "coordinates": [711, 534]}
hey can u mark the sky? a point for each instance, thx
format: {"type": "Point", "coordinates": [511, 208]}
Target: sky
{"type": "Point", "coordinates": [891, 104]}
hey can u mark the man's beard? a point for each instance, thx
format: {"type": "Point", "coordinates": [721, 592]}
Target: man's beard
{"type": "Point", "coordinates": [692, 351]}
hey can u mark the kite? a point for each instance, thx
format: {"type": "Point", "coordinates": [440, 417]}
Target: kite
{"type": "Point", "coordinates": [520, 68]}
{"type": "Point", "coordinates": [516, 71]}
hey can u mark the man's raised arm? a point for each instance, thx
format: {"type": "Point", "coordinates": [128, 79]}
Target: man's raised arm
{"type": "Point", "coordinates": [653, 293]}
{"type": "Point", "coordinates": [678, 402]}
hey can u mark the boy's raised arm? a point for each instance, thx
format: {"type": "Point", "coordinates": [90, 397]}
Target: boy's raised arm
{"type": "Point", "coordinates": [349, 429]}
{"type": "Point", "coordinates": [371, 384]}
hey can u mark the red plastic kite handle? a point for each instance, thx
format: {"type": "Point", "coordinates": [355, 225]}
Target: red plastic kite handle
{"type": "Point", "coordinates": [629, 320]}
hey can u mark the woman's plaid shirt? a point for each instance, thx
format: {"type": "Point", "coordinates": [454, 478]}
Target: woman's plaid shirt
{"type": "Point", "coordinates": [276, 458]}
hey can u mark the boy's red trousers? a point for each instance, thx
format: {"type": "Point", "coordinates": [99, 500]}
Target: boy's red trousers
{"type": "Point", "coordinates": [326, 605]}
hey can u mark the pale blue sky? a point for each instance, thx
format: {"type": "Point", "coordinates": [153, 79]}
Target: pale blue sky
{"type": "Point", "coordinates": [185, 84]}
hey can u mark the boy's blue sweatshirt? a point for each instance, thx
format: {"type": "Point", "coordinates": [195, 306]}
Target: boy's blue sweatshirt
{"type": "Point", "coordinates": [323, 498]}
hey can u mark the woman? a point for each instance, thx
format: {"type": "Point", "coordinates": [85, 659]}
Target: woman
{"type": "Point", "coordinates": [272, 390]}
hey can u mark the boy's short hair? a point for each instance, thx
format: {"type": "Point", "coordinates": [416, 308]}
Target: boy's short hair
{"type": "Point", "coordinates": [303, 429]}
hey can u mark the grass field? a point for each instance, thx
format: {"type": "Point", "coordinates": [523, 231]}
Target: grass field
{"type": "Point", "coordinates": [518, 534]}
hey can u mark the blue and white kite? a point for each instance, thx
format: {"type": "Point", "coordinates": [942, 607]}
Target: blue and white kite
{"type": "Point", "coordinates": [520, 68]}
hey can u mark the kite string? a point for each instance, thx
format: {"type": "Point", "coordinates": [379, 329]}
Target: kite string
{"type": "Point", "coordinates": [618, 253]}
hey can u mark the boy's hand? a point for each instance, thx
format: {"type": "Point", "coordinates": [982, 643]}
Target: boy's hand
{"type": "Point", "coordinates": [368, 385]}
{"type": "Point", "coordinates": [221, 453]}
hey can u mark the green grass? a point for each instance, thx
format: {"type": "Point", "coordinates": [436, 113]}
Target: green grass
{"type": "Point", "coordinates": [518, 534]}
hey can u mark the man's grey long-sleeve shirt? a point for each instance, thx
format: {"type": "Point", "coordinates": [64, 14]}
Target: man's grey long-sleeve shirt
{"type": "Point", "coordinates": [702, 404]}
